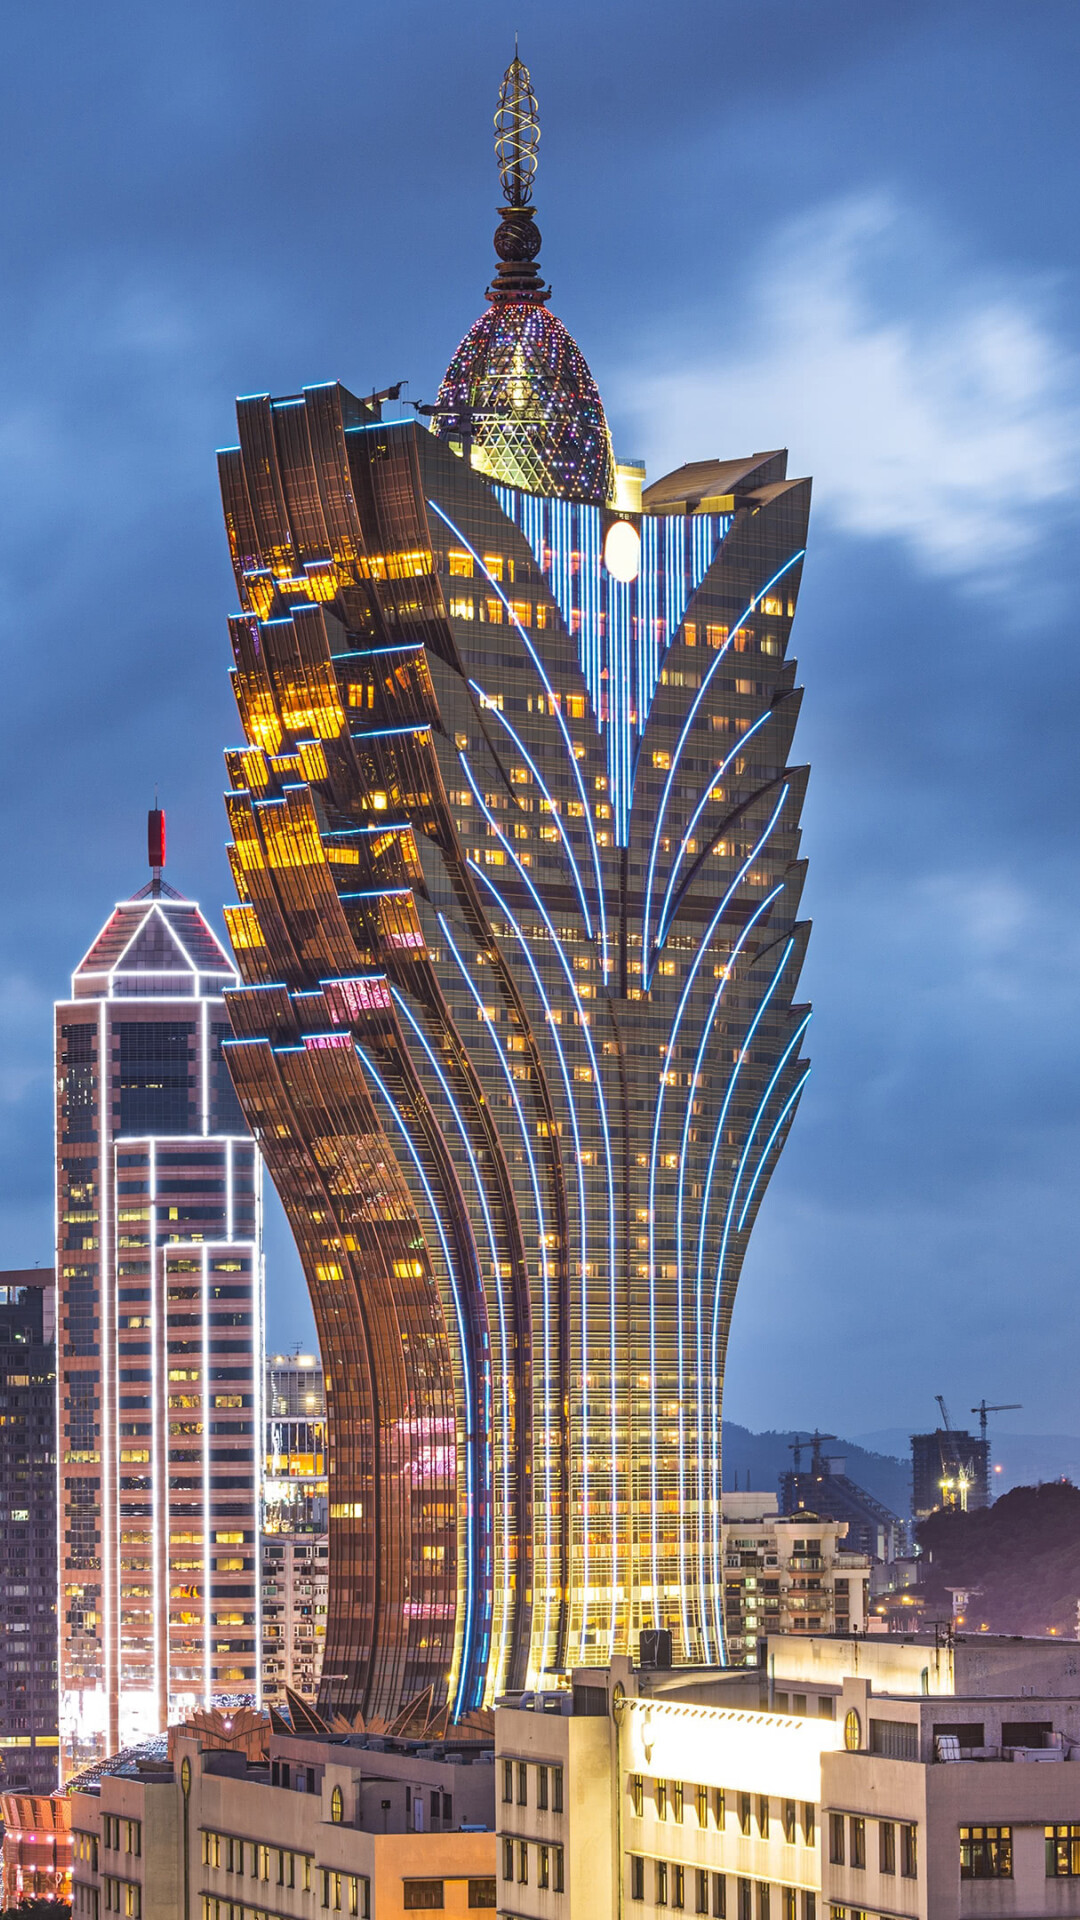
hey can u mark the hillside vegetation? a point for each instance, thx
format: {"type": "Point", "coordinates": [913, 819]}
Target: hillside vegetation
{"type": "Point", "coordinates": [1023, 1552]}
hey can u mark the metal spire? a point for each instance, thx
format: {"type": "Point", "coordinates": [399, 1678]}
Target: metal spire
{"type": "Point", "coordinates": [517, 238]}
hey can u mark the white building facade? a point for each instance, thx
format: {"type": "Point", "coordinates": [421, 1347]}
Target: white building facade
{"type": "Point", "coordinates": [159, 1336]}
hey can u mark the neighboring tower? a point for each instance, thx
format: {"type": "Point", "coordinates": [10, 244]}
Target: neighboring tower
{"type": "Point", "coordinates": [516, 843]}
{"type": "Point", "coordinates": [294, 1489]}
{"type": "Point", "coordinates": [295, 1550]}
{"type": "Point", "coordinates": [159, 1332]}
{"type": "Point", "coordinates": [28, 1725]}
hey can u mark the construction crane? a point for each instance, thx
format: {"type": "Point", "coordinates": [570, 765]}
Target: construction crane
{"type": "Point", "coordinates": [957, 1476]}
{"type": "Point", "coordinates": [813, 1440]}
{"type": "Point", "coordinates": [1007, 1406]}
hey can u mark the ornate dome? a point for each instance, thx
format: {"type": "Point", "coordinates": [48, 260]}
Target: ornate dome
{"type": "Point", "coordinates": [519, 386]}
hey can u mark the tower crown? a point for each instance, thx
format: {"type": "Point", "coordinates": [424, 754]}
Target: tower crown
{"type": "Point", "coordinates": [518, 389]}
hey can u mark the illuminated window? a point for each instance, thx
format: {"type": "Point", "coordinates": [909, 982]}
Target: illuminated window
{"type": "Point", "coordinates": [461, 564]}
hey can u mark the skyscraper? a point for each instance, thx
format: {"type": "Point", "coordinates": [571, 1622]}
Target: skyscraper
{"type": "Point", "coordinates": [28, 1728]}
{"type": "Point", "coordinates": [159, 1332]}
{"type": "Point", "coordinates": [294, 1549]}
{"type": "Point", "coordinates": [517, 851]}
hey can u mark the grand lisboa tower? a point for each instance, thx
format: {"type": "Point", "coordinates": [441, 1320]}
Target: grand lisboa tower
{"type": "Point", "coordinates": [516, 847]}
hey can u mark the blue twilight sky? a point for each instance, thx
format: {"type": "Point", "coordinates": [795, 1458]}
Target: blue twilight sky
{"type": "Point", "coordinates": [849, 229]}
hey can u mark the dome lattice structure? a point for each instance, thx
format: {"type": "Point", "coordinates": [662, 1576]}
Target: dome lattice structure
{"type": "Point", "coordinates": [520, 387]}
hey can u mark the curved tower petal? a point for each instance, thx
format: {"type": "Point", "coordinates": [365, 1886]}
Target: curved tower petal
{"type": "Point", "coordinates": [516, 844]}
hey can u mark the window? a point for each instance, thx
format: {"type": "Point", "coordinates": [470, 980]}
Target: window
{"type": "Point", "coordinates": [522, 1784]}
{"type": "Point", "coordinates": [895, 1739]}
{"type": "Point", "coordinates": [637, 1877]}
{"type": "Point", "coordinates": [637, 1794]}
{"type": "Point", "coordinates": [858, 1840]}
{"type": "Point", "coordinates": [422, 1893]}
{"type": "Point", "coordinates": [702, 1804]}
{"type": "Point", "coordinates": [701, 1902]}
{"type": "Point", "coordinates": [719, 1896]}
{"type": "Point", "coordinates": [556, 1789]}
{"type": "Point", "coordinates": [523, 1863]}
{"type": "Point", "coordinates": [763, 1816]}
{"type": "Point", "coordinates": [744, 1812]}
{"type": "Point", "coordinates": [809, 1906]}
{"type": "Point", "coordinates": [557, 1863]}
{"type": "Point", "coordinates": [886, 1847]}
{"type": "Point", "coordinates": [337, 1811]}
{"type": "Point", "coordinates": [836, 1839]}
{"type": "Point", "coordinates": [720, 1808]}
{"type": "Point", "coordinates": [677, 1799]}
{"type": "Point", "coordinates": [543, 1866]}
{"type": "Point", "coordinates": [1063, 1853]}
{"type": "Point", "coordinates": [985, 1852]}
{"type": "Point", "coordinates": [508, 1782]}
{"type": "Point", "coordinates": [809, 1824]}
{"type": "Point", "coordinates": [746, 1898]}
{"type": "Point", "coordinates": [660, 1890]}
{"type": "Point", "coordinates": [787, 1900]}
{"type": "Point", "coordinates": [542, 1788]}
{"type": "Point", "coordinates": [789, 1822]}
{"type": "Point", "coordinates": [508, 1859]}
{"type": "Point", "coordinates": [909, 1858]}
{"type": "Point", "coordinates": [678, 1886]}
{"type": "Point", "coordinates": [661, 1799]}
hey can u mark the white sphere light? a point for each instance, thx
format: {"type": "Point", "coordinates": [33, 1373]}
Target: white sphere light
{"type": "Point", "coordinates": [622, 551]}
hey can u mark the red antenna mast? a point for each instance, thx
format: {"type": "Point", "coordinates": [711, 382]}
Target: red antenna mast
{"type": "Point", "coordinates": [155, 843]}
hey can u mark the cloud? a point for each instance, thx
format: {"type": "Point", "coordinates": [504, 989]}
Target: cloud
{"type": "Point", "coordinates": [933, 408]}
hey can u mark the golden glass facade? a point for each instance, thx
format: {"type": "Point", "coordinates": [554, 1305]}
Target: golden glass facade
{"type": "Point", "coordinates": [516, 846]}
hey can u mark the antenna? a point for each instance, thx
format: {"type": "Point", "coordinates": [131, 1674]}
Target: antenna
{"type": "Point", "coordinates": [155, 843]}
{"type": "Point", "coordinates": [517, 237]}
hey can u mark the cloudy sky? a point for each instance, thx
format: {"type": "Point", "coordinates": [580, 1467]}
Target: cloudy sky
{"type": "Point", "coordinates": [843, 228]}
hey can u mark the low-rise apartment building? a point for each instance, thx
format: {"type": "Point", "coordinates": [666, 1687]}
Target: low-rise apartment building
{"type": "Point", "coordinates": [787, 1573]}
{"type": "Point", "coordinates": [280, 1826]}
{"type": "Point", "coordinates": [843, 1779]}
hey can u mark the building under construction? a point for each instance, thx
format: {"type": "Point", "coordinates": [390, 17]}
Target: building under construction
{"type": "Point", "coordinates": [949, 1468]}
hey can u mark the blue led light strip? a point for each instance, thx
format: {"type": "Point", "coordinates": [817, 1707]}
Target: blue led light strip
{"type": "Point", "coordinates": [462, 1704]}
{"type": "Point", "coordinates": [553, 1029]}
{"type": "Point", "coordinates": [555, 814]}
{"type": "Point", "coordinates": [620, 634]}
{"type": "Point", "coordinates": [504, 1342]}
{"type": "Point", "coordinates": [657, 1120]}
{"type": "Point", "coordinates": [661, 925]}
{"type": "Point", "coordinates": [557, 711]}
{"type": "Point", "coordinates": [586, 1031]}
{"type": "Point", "coordinates": [646, 971]}
{"type": "Point", "coordinates": [699, 1345]}
{"type": "Point", "coordinates": [714, 1443]}
{"type": "Point", "coordinates": [547, 1651]}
